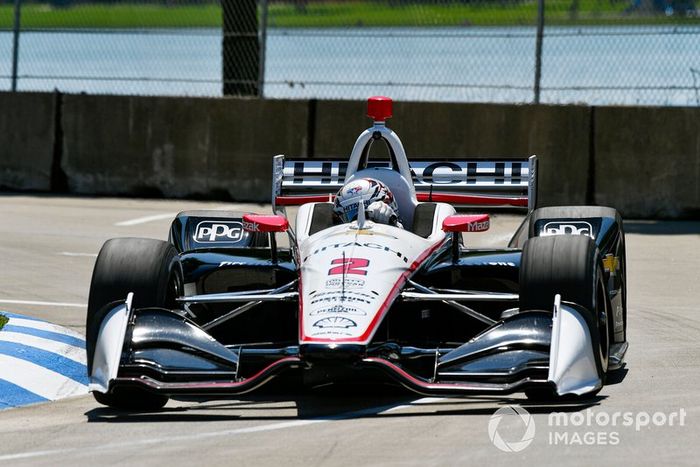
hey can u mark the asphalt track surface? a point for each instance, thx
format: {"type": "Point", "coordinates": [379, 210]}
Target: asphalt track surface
{"type": "Point", "coordinates": [47, 248]}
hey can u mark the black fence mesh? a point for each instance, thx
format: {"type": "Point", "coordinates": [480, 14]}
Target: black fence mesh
{"type": "Point", "coordinates": [592, 51]}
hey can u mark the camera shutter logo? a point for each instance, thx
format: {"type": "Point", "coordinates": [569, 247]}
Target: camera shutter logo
{"type": "Point", "coordinates": [517, 431]}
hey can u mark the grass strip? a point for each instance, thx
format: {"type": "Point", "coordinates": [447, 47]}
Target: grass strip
{"type": "Point", "coordinates": [340, 14]}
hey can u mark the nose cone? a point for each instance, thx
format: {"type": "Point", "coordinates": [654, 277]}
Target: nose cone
{"type": "Point", "coordinates": [379, 108]}
{"type": "Point", "coordinates": [332, 352]}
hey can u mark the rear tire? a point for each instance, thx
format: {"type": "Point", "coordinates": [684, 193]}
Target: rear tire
{"type": "Point", "coordinates": [568, 265]}
{"type": "Point", "coordinates": [152, 271]}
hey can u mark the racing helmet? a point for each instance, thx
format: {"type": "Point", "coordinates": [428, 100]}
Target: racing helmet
{"type": "Point", "coordinates": [367, 190]}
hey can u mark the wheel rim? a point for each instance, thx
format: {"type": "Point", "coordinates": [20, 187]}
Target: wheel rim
{"type": "Point", "coordinates": [173, 289]}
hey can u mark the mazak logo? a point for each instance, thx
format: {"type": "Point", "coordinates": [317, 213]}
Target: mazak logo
{"type": "Point", "coordinates": [213, 231]}
{"type": "Point", "coordinates": [511, 428]}
{"type": "Point", "coordinates": [479, 226]}
{"type": "Point", "coordinates": [567, 228]}
{"type": "Point", "coordinates": [251, 226]}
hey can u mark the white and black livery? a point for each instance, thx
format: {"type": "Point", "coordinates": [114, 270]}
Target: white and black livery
{"type": "Point", "coordinates": [223, 308]}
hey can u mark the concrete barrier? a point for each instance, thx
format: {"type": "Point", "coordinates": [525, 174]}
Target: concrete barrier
{"type": "Point", "coordinates": [647, 161]}
{"type": "Point", "coordinates": [178, 147]}
{"type": "Point", "coordinates": [26, 140]}
{"type": "Point", "coordinates": [643, 161]}
{"type": "Point", "coordinates": [559, 135]}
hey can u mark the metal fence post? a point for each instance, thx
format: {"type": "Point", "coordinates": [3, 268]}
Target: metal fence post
{"type": "Point", "coordinates": [263, 48]}
{"type": "Point", "coordinates": [241, 48]}
{"type": "Point", "coordinates": [15, 43]}
{"type": "Point", "coordinates": [538, 49]}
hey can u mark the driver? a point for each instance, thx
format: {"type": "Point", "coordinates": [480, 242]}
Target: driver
{"type": "Point", "coordinates": [378, 201]}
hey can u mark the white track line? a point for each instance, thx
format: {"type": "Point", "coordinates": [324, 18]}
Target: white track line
{"type": "Point", "coordinates": [158, 217]}
{"type": "Point", "coordinates": [39, 380]}
{"type": "Point", "coordinates": [44, 326]}
{"type": "Point", "coordinates": [32, 302]}
{"type": "Point", "coordinates": [68, 351]}
{"type": "Point", "coordinates": [34, 454]}
{"type": "Point", "coordinates": [425, 400]}
{"type": "Point", "coordinates": [70, 253]}
{"type": "Point", "coordinates": [198, 436]}
{"type": "Point", "coordinates": [143, 220]}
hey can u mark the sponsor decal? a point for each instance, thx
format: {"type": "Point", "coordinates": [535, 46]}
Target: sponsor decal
{"type": "Point", "coordinates": [335, 322]}
{"type": "Point", "coordinates": [567, 228]}
{"type": "Point", "coordinates": [371, 245]}
{"type": "Point", "coordinates": [218, 231]}
{"type": "Point", "coordinates": [338, 296]}
{"type": "Point", "coordinates": [352, 190]}
{"type": "Point", "coordinates": [331, 333]}
{"type": "Point", "coordinates": [348, 283]}
{"type": "Point", "coordinates": [367, 230]}
{"type": "Point", "coordinates": [619, 319]}
{"type": "Point", "coordinates": [340, 309]}
{"type": "Point", "coordinates": [611, 264]}
{"type": "Point", "coordinates": [423, 173]}
{"type": "Point", "coordinates": [349, 266]}
{"type": "Point", "coordinates": [479, 226]}
{"type": "Point", "coordinates": [231, 263]}
{"type": "Point", "coordinates": [250, 226]}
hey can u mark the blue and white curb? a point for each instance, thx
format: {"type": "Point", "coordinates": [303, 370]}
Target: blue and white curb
{"type": "Point", "coordinates": [40, 361]}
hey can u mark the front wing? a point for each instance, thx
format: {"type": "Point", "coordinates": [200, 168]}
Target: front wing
{"type": "Point", "coordinates": [164, 352]}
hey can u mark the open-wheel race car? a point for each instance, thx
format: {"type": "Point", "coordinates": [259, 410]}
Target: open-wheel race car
{"type": "Point", "coordinates": [225, 306]}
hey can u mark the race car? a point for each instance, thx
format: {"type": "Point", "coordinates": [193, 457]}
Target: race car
{"type": "Point", "coordinates": [233, 301]}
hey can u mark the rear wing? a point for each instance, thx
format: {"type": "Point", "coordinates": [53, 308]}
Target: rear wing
{"type": "Point", "coordinates": [466, 182]}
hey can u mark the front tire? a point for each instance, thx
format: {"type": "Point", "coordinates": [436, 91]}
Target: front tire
{"type": "Point", "coordinates": [152, 271]}
{"type": "Point", "coordinates": [564, 214]}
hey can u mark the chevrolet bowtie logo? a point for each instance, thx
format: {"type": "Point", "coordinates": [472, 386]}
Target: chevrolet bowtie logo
{"type": "Point", "coordinates": [611, 264]}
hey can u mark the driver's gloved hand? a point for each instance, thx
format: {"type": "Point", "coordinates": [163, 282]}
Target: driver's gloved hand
{"type": "Point", "coordinates": [382, 213]}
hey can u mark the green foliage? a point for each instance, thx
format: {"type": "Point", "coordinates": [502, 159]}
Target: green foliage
{"type": "Point", "coordinates": [114, 16]}
{"type": "Point", "coordinates": [340, 14]}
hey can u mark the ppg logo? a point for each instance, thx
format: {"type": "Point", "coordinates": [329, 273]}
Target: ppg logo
{"type": "Point", "coordinates": [567, 228]}
{"type": "Point", "coordinates": [211, 231]}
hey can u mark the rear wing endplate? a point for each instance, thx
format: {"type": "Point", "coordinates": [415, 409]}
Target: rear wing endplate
{"type": "Point", "coordinates": [467, 182]}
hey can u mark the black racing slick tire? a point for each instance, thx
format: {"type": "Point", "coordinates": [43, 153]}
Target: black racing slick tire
{"type": "Point", "coordinates": [568, 265]}
{"type": "Point", "coordinates": [152, 271]}
{"type": "Point", "coordinates": [564, 214]}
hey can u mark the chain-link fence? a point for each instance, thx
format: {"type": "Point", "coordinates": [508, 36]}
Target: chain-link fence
{"type": "Point", "coordinates": [552, 51]}
{"type": "Point", "coordinates": [170, 47]}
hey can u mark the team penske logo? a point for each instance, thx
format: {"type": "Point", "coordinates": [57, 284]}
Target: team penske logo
{"type": "Point", "coordinates": [218, 231]}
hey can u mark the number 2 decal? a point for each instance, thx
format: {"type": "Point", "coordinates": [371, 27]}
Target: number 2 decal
{"type": "Point", "coordinates": [349, 266]}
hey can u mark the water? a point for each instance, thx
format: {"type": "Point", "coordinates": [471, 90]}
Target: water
{"type": "Point", "coordinates": [158, 62]}
{"type": "Point", "coordinates": [653, 65]}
